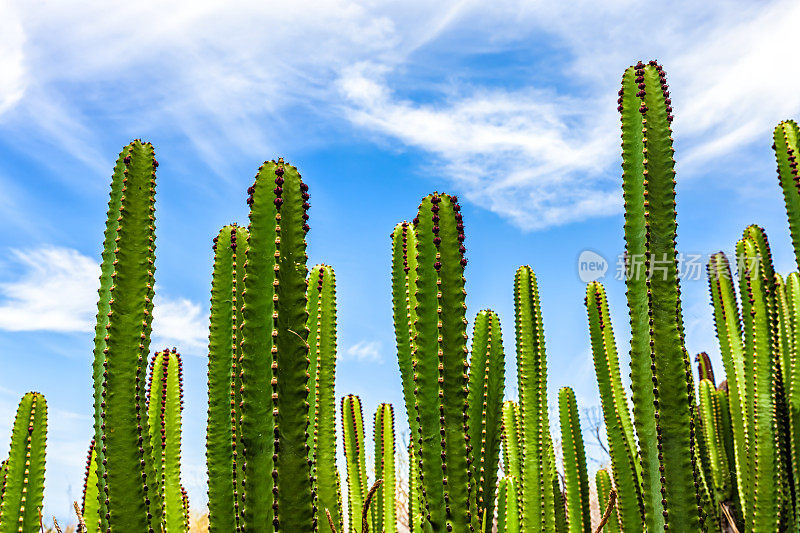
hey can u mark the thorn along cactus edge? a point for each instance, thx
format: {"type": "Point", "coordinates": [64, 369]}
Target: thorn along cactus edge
{"type": "Point", "coordinates": [718, 455]}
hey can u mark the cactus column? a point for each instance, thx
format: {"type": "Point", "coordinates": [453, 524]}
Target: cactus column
{"type": "Point", "coordinates": [440, 365]}
{"type": "Point", "coordinates": [164, 411]}
{"type": "Point", "coordinates": [275, 355]}
{"type": "Point", "coordinates": [23, 487]}
{"type": "Point", "coordinates": [125, 469]}
{"type": "Point", "coordinates": [322, 319]}
{"type": "Point", "coordinates": [223, 454]}
{"type": "Point", "coordinates": [660, 368]}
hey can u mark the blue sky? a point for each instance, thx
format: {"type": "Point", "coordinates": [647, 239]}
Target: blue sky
{"type": "Point", "coordinates": [512, 107]}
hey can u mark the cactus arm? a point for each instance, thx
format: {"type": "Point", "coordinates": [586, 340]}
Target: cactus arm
{"type": "Point", "coordinates": [90, 504]}
{"type": "Point", "coordinates": [704, 368]}
{"type": "Point", "coordinates": [293, 480]}
{"type": "Point", "coordinates": [560, 505]}
{"type": "Point", "coordinates": [616, 413]}
{"type": "Point", "coordinates": [792, 288]}
{"type": "Point", "coordinates": [224, 488]}
{"type": "Point", "coordinates": [355, 459]}
{"type": "Point", "coordinates": [786, 137]}
{"type": "Point", "coordinates": [728, 326]}
{"type": "Point", "coordinates": [642, 390]}
{"type": "Point", "coordinates": [385, 512]}
{"type": "Point", "coordinates": [485, 400]}
{"type": "Point", "coordinates": [537, 467]}
{"type": "Point", "coordinates": [322, 319]}
{"type": "Point", "coordinates": [103, 307]}
{"type": "Point", "coordinates": [508, 507]}
{"type": "Point", "coordinates": [441, 363]}
{"type": "Point", "coordinates": [602, 481]}
{"type": "Point", "coordinates": [24, 489]}
{"type": "Point", "coordinates": [512, 460]}
{"type": "Point", "coordinates": [164, 408]}
{"type": "Point", "coordinates": [575, 474]}
{"type": "Point", "coordinates": [665, 430]}
{"type": "Point", "coordinates": [713, 440]}
{"type": "Point", "coordinates": [763, 458]}
{"type": "Point", "coordinates": [126, 448]}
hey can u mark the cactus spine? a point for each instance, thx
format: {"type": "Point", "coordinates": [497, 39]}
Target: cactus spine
{"type": "Point", "coordinates": [575, 474]}
{"type": "Point", "coordinates": [164, 411]}
{"type": "Point", "coordinates": [383, 508]}
{"type": "Point", "coordinates": [122, 346]}
{"type": "Point", "coordinates": [322, 319]}
{"type": "Point", "coordinates": [485, 401]}
{"type": "Point", "coordinates": [660, 369]}
{"type": "Point", "coordinates": [223, 451]}
{"type": "Point", "coordinates": [275, 355]}
{"type": "Point", "coordinates": [24, 469]}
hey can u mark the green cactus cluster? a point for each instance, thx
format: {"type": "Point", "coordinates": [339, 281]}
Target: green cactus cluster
{"type": "Point", "coordinates": [685, 456]}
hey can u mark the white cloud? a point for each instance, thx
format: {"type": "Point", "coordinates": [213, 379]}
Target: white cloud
{"type": "Point", "coordinates": [227, 76]}
{"type": "Point", "coordinates": [56, 290]}
{"type": "Point", "coordinates": [364, 351]}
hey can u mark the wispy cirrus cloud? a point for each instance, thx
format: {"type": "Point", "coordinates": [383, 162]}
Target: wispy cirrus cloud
{"type": "Point", "coordinates": [55, 289]}
{"type": "Point", "coordinates": [540, 151]}
{"type": "Point", "coordinates": [364, 351]}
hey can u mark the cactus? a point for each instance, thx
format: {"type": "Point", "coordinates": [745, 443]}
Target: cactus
{"type": "Point", "coordinates": [602, 482]}
{"type": "Point", "coordinates": [508, 510]}
{"type": "Point", "coordinates": [439, 360]}
{"type": "Point", "coordinates": [512, 432]}
{"type": "Point", "coordinates": [485, 401]}
{"type": "Point", "coordinates": [223, 453]}
{"type": "Point", "coordinates": [23, 491]}
{"type": "Point", "coordinates": [275, 355]}
{"type": "Point", "coordinates": [537, 470]}
{"type": "Point", "coordinates": [575, 474]}
{"type": "Point", "coordinates": [164, 410]}
{"type": "Point", "coordinates": [90, 505]}
{"type": "Point", "coordinates": [711, 416]}
{"type": "Point", "coordinates": [322, 318]}
{"type": "Point", "coordinates": [785, 144]}
{"type": "Point", "coordinates": [122, 337]}
{"type": "Point", "coordinates": [355, 458]}
{"type": "Point", "coordinates": [704, 368]}
{"type": "Point", "coordinates": [660, 369]}
{"type": "Point", "coordinates": [619, 426]}
{"type": "Point", "coordinates": [383, 509]}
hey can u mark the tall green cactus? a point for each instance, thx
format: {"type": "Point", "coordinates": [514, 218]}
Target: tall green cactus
{"type": "Point", "coordinates": [792, 318]}
{"type": "Point", "coordinates": [164, 412]}
{"type": "Point", "coordinates": [575, 474]}
{"type": "Point", "coordinates": [508, 509]}
{"type": "Point", "coordinates": [223, 451]}
{"type": "Point", "coordinates": [440, 365]}
{"type": "Point", "coordinates": [21, 506]}
{"type": "Point", "coordinates": [512, 434]}
{"type": "Point", "coordinates": [711, 415]}
{"type": "Point", "coordinates": [660, 368]}
{"type": "Point", "coordinates": [125, 469]}
{"type": "Point", "coordinates": [322, 321]}
{"type": "Point", "coordinates": [275, 355]}
{"type": "Point", "coordinates": [90, 505]}
{"type": "Point", "coordinates": [785, 143]}
{"type": "Point", "coordinates": [538, 469]}
{"type": "Point", "coordinates": [622, 444]}
{"type": "Point", "coordinates": [383, 508]}
{"type": "Point", "coordinates": [485, 405]}
{"type": "Point", "coordinates": [356, 460]}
